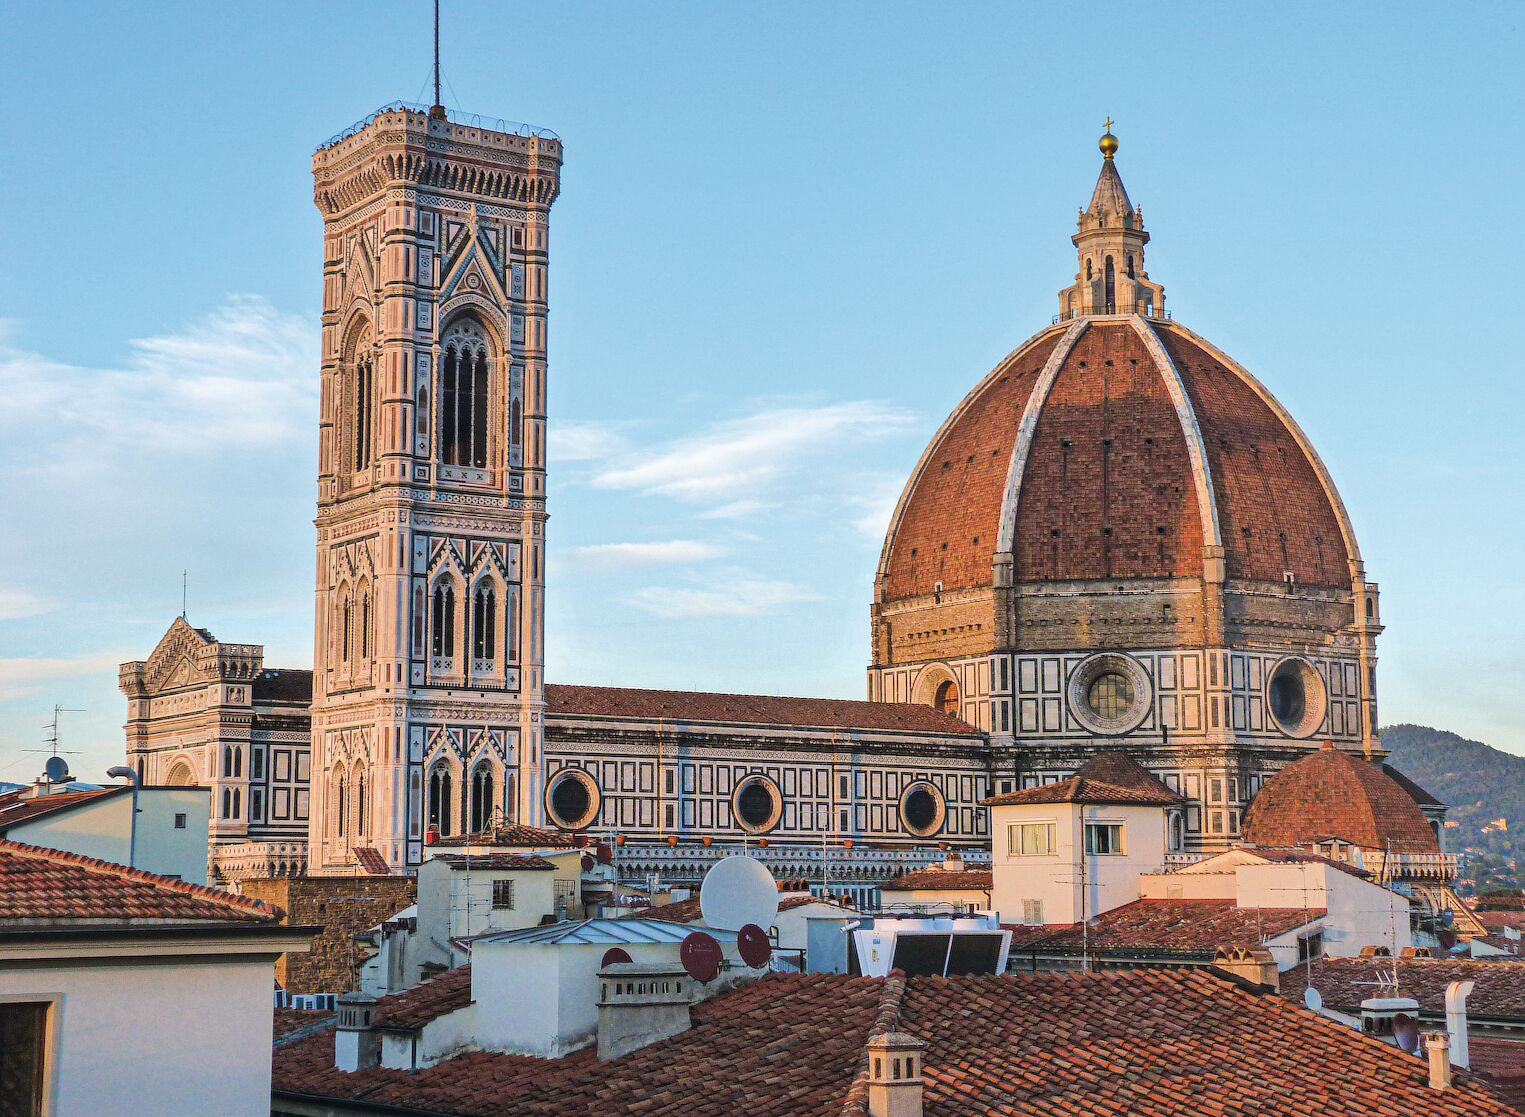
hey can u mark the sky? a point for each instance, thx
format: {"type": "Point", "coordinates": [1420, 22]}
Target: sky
{"type": "Point", "coordinates": [790, 238]}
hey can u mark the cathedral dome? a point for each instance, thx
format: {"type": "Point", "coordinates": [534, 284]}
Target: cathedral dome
{"type": "Point", "coordinates": [1334, 794]}
{"type": "Point", "coordinates": [1117, 447]}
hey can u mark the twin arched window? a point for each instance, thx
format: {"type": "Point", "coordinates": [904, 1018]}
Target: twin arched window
{"type": "Point", "coordinates": [481, 798]}
{"type": "Point", "coordinates": [440, 798]}
{"type": "Point", "coordinates": [464, 369]}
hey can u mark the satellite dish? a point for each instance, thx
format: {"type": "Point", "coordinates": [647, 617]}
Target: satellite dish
{"type": "Point", "coordinates": [701, 956]}
{"type": "Point", "coordinates": [56, 769]}
{"type": "Point", "coordinates": [752, 942]}
{"type": "Point", "coordinates": [1313, 998]}
{"type": "Point", "coordinates": [1406, 1032]}
{"type": "Point", "coordinates": [614, 954]}
{"type": "Point", "coordinates": [1447, 939]}
{"type": "Point", "coordinates": [737, 891]}
{"type": "Point", "coordinates": [1447, 917]}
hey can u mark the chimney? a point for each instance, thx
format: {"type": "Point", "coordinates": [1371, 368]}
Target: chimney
{"type": "Point", "coordinates": [1456, 1022]}
{"type": "Point", "coordinates": [356, 1044]}
{"type": "Point", "coordinates": [953, 861]}
{"type": "Point", "coordinates": [639, 1004]}
{"type": "Point", "coordinates": [1251, 967]}
{"type": "Point", "coordinates": [1438, 1047]}
{"type": "Point", "coordinates": [894, 1075]}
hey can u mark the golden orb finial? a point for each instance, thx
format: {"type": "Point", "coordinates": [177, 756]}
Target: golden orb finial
{"type": "Point", "coordinates": [1108, 142]}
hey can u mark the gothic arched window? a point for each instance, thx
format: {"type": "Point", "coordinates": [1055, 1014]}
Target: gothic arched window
{"type": "Point", "coordinates": [362, 812]}
{"type": "Point", "coordinates": [946, 698]}
{"type": "Point", "coordinates": [1111, 291]}
{"type": "Point", "coordinates": [481, 798]}
{"type": "Point", "coordinates": [484, 623]}
{"type": "Point", "coordinates": [363, 403]}
{"type": "Point", "coordinates": [344, 632]}
{"type": "Point", "coordinates": [365, 627]}
{"type": "Point", "coordinates": [464, 372]}
{"type": "Point", "coordinates": [442, 633]}
{"type": "Point", "coordinates": [439, 798]}
{"type": "Point", "coordinates": [341, 806]}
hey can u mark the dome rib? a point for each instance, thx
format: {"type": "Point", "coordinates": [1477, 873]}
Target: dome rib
{"type": "Point", "coordinates": [1010, 499]}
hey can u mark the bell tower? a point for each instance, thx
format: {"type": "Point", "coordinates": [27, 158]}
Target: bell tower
{"type": "Point", "coordinates": [428, 660]}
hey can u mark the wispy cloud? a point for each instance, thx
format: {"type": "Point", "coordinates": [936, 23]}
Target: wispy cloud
{"type": "Point", "coordinates": [585, 441]}
{"type": "Point", "coordinates": [743, 598]}
{"type": "Point", "coordinates": [736, 465]}
{"type": "Point", "coordinates": [24, 676]}
{"type": "Point", "coordinates": [15, 604]}
{"type": "Point", "coordinates": [624, 556]}
{"type": "Point", "coordinates": [243, 376]}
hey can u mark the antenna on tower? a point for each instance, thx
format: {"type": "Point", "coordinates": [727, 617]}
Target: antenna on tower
{"type": "Point", "coordinates": [437, 110]}
{"type": "Point", "coordinates": [185, 584]}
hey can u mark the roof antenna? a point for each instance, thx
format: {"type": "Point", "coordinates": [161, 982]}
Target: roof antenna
{"type": "Point", "coordinates": [437, 110]}
{"type": "Point", "coordinates": [185, 580]}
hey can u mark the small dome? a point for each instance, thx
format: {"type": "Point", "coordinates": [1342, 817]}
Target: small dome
{"type": "Point", "coordinates": [1334, 794]}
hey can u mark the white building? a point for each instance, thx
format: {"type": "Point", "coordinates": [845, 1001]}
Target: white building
{"type": "Point", "coordinates": [127, 993]}
{"type": "Point", "coordinates": [158, 829]}
{"type": "Point", "coordinates": [1068, 851]}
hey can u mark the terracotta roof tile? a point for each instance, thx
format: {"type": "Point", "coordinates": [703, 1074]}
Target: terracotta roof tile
{"type": "Point", "coordinates": [688, 911]}
{"type": "Point", "coordinates": [283, 684]}
{"type": "Point", "coordinates": [1080, 789]}
{"type": "Point", "coordinates": [1193, 927]}
{"type": "Point", "coordinates": [426, 1001]}
{"type": "Point", "coordinates": [941, 878]}
{"type": "Point", "coordinates": [517, 861]}
{"type": "Point", "coordinates": [513, 835]}
{"type": "Point", "coordinates": [563, 700]}
{"type": "Point", "coordinates": [50, 886]}
{"type": "Point", "coordinates": [1346, 982]}
{"type": "Point", "coordinates": [1335, 794]}
{"type": "Point", "coordinates": [1156, 1043]}
{"type": "Point", "coordinates": [1420, 796]}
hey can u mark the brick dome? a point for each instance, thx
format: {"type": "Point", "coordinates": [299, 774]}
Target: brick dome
{"type": "Point", "coordinates": [1117, 447]}
{"type": "Point", "coordinates": [1334, 794]}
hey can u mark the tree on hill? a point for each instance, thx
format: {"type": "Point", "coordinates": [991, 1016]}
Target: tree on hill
{"type": "Point", "coordinates": [1484, 789]}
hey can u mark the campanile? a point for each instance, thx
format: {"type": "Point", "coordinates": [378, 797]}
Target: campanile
{"type": "Point", "coordinates": [428, 687]}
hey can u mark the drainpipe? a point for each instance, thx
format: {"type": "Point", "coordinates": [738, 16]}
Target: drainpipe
{"type": "Point", "coordinates": [121, 771]}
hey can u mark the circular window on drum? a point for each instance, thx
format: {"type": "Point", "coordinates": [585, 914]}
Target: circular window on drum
{"type": "Point", "coordinates": [571, 799]}
{"type": "Point", "coordinates": [923, 809]}
{"type": "Point", "coordinates": [1109, 693]}
{"type": "Point", "coordinates": [1295, 697]}
{"type": "Point", "coordinates": [757, 804]}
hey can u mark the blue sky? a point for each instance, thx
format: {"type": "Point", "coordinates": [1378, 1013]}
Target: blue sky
{"type": "Point", "coordinates": [791, 237]}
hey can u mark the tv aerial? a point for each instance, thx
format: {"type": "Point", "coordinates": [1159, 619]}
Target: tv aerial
{"type": "Point", "coordinates": [739, 891]}
{"type": "Point", "coordinates": [56, 768]}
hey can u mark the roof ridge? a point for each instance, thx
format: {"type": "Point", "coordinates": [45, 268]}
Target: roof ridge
{"type": "Point", "coordinates": [142, 876]}
{"type": "Point", "coordinates": [885, 1021]}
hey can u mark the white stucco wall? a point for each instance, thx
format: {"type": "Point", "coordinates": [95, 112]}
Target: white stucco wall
{"type": "Point", "coordinates": [1111, 880]}
{"type": "Point", "coordinates": [96, 828]}
{"type": "Point", "coordinates": [935, 899]}
{"type": "Point", "coordinates": [168, 1040]}
{"type": "Point", "coordinates": [161, 847]}
{"type": "Point", "coordinates": [1360, 913]}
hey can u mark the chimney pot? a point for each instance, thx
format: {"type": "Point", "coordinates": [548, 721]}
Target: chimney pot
{"type": "Point", "coordinates": [356, 1044]}
{"type": "Point", "coordinates": [1252, 967]}
{"type": "Point", "coordinates": [894, 1075]}
{"type": "Point", "coordinates": [1438, 1047]}
{"type": "Point", "coordinates": [639, 1004]}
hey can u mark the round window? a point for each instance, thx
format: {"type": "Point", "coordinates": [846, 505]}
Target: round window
{"type": "Point", "coordinates": [1295, 697]}
{"type": "Point", "coordinates": [757, 804]}
{"type": "Point", "coordinates": [923, 809]}
{"type": "Point", "coordinates": [572, 800]}
{"type": "Point", "coordinates": [1109, 694]}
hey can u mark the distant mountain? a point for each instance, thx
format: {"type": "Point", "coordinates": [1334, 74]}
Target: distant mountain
{"type": "Point", "coordinates": [1484, 789]}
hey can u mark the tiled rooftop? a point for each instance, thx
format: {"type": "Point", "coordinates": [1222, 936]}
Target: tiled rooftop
{"type": "Point", "coordinates": [563, 700]}
{"type": "Point", "coordinates": [1192, 927]}
{"type": "Point", "coordinates": [50, 886]}
{"type": "Point", "coordinates": [1334, 794]}
{"type": "Point", "coordinates": [1345, 982]}
{"type": "Point", "coordinates": [527, 862]}
{"type": "Point", "coordinates": [941, 878]}
{"type": "Point", "coordinates": [427, 1001]}
{"type": "Point", "coordinates": [513, 835]}
{"type": "Point", "coordinates": [371, 861]}
{"type": "Point", "coordinates": [1147, 1043]}
{"type": "Point", "coordinates": [688, 911]}
{"type": "Point", "coordinates": [1081, 789]}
